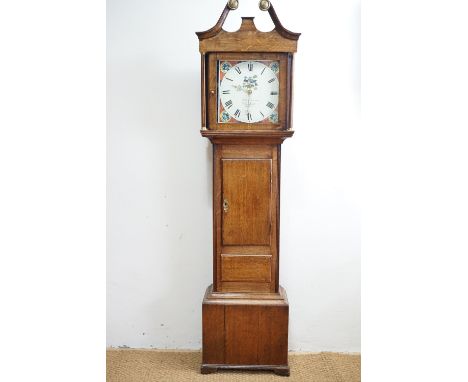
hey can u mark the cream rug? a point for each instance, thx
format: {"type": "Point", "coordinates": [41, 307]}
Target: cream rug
{"type": "Point", "coordinates": [129, 365]}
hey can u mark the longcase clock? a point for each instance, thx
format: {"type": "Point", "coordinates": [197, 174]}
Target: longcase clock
{"type": "Point", "coordinates": [246, 91]}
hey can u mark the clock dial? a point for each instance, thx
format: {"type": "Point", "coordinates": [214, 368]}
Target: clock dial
{"type": "Point", "coordinates": [248, 92]}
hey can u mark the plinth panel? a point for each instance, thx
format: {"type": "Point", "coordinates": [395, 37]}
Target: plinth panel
{"type": "Point", "coordinates": [245, 330]}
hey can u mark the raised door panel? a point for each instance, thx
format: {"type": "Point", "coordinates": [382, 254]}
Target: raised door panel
{"type": "Point", "coordinates": [246, 268]}
{"type": "Point", "coordinates": [246, 198]}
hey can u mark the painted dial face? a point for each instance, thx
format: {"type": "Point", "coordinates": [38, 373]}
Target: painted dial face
{"type": "Point", "coordinates": [249, 92]}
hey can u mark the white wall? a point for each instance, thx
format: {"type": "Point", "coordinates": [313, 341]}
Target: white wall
{"type": "Point", "coordinates": [159, 174]}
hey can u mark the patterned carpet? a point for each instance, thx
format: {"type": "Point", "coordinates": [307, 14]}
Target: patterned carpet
{"type": "Point", "coordinates": [129, 365]}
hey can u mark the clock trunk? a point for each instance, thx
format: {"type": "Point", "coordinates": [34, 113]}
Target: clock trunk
{"type": "Point", "coordinates": [246, 200]}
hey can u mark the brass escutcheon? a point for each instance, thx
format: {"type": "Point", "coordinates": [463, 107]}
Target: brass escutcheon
{"type": "Point", "coordinates": [225, 205]}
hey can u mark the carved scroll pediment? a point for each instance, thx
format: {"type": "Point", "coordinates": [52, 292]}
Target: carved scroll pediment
{"type": "Point", "coordinates": [248, 38]}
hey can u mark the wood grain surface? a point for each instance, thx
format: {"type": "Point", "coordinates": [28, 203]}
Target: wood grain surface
{"type": "Point", "coordinates": [245, 311]}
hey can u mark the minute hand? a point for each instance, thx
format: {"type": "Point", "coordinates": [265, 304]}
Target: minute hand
{"type": "Point", "coordinates": [248, 104]}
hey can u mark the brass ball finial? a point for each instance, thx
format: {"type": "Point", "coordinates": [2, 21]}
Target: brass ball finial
{"type": "Point", "coordinates": [233, 4]}
{"type": "Point", "coordinates": [264, 5]}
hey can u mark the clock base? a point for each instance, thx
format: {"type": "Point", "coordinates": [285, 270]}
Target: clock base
{"type": "Point", "coordinates": [245, 331]}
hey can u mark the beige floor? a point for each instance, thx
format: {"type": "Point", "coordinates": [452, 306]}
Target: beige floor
{"type": "Point", "coordinates": [129, 365]}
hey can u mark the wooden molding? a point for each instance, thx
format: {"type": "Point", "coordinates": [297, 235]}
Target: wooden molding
{"type": "Point", "coordinates": [247, 136]}
{"type": "Point", "coordinates": [242, 298]}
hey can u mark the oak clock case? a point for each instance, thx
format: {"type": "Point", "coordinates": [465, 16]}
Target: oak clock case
{"type": "Point", "coordinates": [246, 94]}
